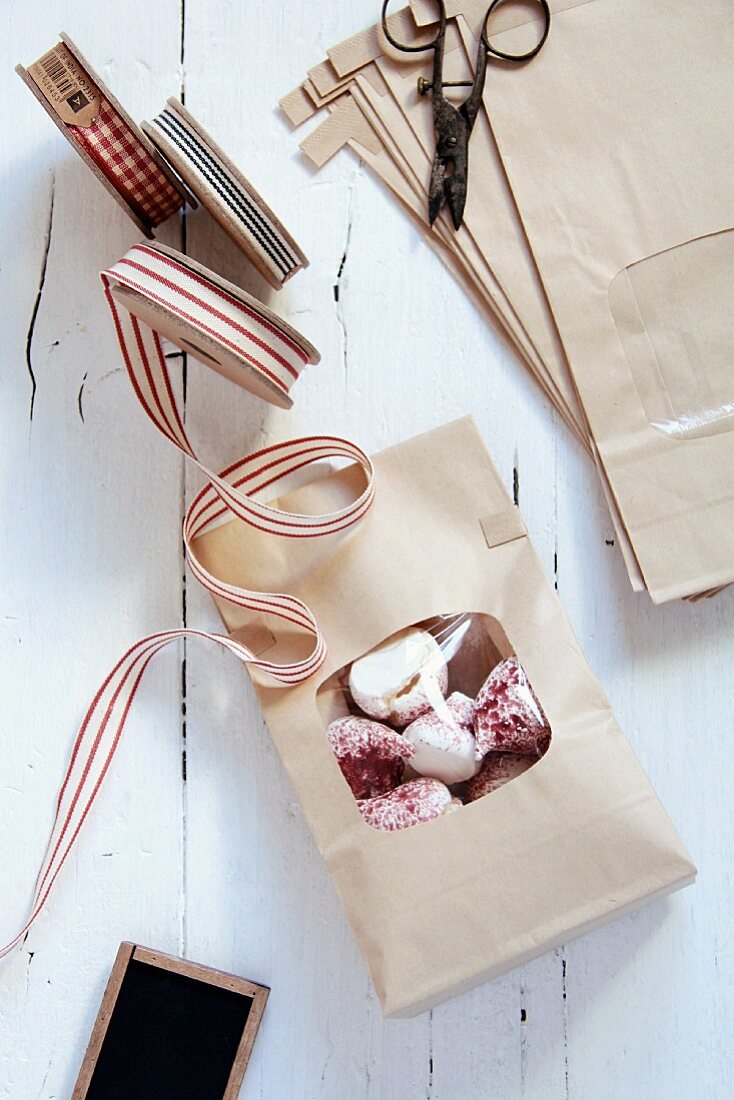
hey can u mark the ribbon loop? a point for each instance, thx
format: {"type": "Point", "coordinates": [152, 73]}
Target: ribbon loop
{"type": "Point", "coordinates": [170, 284]}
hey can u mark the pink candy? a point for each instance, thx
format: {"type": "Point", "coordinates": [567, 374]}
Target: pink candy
{"type": "Point", "coordinates": [470, 746]}
{"type": "Point", "coordinates": [507, 714]}
{"type": "Point", "coordinates": [497, 769]}
{"type": "Point", "coordinates": [416, 801]}
{"type": "Point", "coordinates": [370, 755]}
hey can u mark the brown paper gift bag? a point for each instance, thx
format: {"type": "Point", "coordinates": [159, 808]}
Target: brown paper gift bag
{"type": "Point", "coordinates": [617, 144]}
{"type": "Point", "coordinates": [577, 840]}
{"type": "Point", "coordinates": [489, 256]}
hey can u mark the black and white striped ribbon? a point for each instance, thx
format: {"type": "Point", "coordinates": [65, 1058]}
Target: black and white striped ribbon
{"type": "Point", "coordinates": [212, 181]}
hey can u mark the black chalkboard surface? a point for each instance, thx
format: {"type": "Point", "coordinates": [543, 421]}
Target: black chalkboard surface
{"type": "Point", "coordinates": [170, 1028]}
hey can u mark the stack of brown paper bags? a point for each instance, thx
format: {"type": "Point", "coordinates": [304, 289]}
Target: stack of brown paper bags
{"type": "Point", "coordinates": [597, 236]}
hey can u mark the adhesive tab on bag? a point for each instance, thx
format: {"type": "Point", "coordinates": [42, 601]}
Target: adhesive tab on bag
{"type": "Point", "coordinates": [504, 526]}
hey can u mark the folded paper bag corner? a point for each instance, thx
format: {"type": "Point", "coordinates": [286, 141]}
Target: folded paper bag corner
{"type": "Point", "coordinates": [345, 123]}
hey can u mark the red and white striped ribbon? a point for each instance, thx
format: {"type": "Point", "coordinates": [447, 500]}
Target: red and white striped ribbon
{"type": "Point", "coordinates": [236, 491]}
{"type": "Point", "coordinates": [238, 326]}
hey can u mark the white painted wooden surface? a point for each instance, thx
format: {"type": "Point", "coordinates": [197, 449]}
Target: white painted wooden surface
{"type": "Point", "coordinates": [220, 866]}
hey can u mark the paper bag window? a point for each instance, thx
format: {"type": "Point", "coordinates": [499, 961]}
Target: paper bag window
{"type": "Point", "coordinates": [673, 315]}
{"type": "Point", "coordinates": [435, 717]}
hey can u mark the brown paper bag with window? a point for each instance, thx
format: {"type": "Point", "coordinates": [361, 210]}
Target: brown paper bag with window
{"type": "Point", "coordinates": [489, 255]}
{"type": "Point", "coordinates": [575, 841]}
{"type": "Point", "coordinates": [617, 144]}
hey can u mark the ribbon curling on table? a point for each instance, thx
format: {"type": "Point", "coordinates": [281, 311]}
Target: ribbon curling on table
{"type": "Point", "coordinates": [154, 286]}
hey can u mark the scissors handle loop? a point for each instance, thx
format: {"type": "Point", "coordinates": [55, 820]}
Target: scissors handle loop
{"type": "Point", "coordinates": [494, 52]}
{"type": "Point", "coordinates": [402, 46]}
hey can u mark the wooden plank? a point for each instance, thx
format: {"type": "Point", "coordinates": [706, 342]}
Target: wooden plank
{"type": "Point", "coordinates": [646, 1002]}
{"type": "Point", "coordinates": [270, 908]}
{"type": "Point", "coordinates": [90, 560]}
{"type": "Point", "coordinates": [436, 380]}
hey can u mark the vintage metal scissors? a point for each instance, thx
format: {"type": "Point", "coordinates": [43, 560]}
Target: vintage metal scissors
{"type": "Point", "coordinates": [453, 125]}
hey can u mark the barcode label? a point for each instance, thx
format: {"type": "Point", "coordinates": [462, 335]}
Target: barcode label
{"type": "Point", "coordinates": [66, 86]}
{"type": "Point", "coordinates": [57, 74]}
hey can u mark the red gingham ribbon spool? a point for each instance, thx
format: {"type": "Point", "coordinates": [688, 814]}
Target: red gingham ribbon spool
{"type": "Point", "coordinates": [235, 490]}
{"type": "Point", "coordinates": [107, 138]}
{"type": "Point", "coordinates": [127, 165]}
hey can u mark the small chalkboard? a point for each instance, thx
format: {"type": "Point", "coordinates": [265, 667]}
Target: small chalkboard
{"type": "Point", "coordinates": [170, 1028]}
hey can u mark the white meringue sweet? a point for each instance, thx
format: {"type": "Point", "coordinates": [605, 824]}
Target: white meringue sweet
{"type": "Point", "coordinates": [444, 742]}
{"type": "Point", "coordinates": [401, 678]}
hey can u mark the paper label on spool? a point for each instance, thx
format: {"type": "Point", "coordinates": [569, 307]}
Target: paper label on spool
{"type": "Point", "coordinates": [66, 86]}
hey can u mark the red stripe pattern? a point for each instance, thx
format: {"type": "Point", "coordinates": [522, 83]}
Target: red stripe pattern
{"type": "Point", "coordinates": [235, 491]}
{"type": "Point", "coordinates": [127, 164]}
{"type": "Point", "coordinates": [239, 327]}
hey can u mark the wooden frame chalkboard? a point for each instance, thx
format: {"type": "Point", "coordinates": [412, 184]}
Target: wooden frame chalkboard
{"type": "Point", "coordinates": [147, 985]}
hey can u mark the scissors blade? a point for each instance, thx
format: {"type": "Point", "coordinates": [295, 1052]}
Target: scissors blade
{"type": "Point", "coordinates": [436, 193]}
{"type": "Point", "coordinates": [455, 194]}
